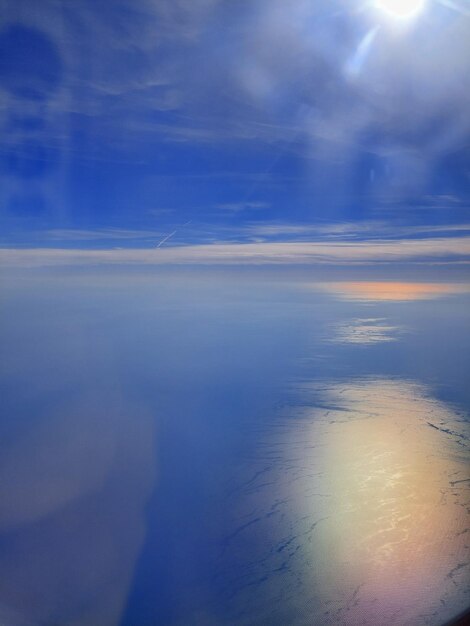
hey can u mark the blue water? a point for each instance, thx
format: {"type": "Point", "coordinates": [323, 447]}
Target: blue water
{"type": "Point", "coordinates": [152, 425]}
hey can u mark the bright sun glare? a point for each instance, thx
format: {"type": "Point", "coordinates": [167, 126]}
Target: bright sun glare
{"type": "Point", "coordinates": [400, 8]}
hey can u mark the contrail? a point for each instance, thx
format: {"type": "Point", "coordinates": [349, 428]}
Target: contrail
{"type": "Point", "coordinates": [160, 243]}
{"type": "Point", "coordinates": [166, 238]}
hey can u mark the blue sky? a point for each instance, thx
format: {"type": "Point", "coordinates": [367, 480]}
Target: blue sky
{"type": "Point", "coordinates": [159, 125]}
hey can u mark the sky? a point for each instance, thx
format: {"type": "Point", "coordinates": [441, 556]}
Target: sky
{"type": "Point", "coordinates": [319, 133]}
{"type": "Point", "coordinates": [234, 265]}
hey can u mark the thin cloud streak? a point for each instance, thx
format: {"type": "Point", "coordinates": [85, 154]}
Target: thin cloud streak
{"type": "Point", "coordinates": [255, 231]}
{"type": "Point", "coordinates": [368, 229]}
{"type": "Point", "coordinates": [448, 250]}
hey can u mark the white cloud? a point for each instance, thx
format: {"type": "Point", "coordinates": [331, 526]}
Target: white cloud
{"type": "Point", "coordinates": [368, 229]}
{"type": "Point", "coordinates": [447, 250]}
{"type": "Point", "coordinates": [72, 234]}
{"type": "Point", "coordinates": [238, 207]}
{"type": "Point", "coordinates": [271, 72]}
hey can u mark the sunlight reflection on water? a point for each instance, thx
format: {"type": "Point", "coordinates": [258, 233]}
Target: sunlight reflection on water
{"type": "Point", "coordinates": [365, 331]}
{"type": "Point", "coordinates": [376, 472]}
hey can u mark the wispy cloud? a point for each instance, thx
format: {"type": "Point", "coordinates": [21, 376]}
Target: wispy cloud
{"type": "Point", "coordinates": [274, 84]}
{"type": "Point", "coordinates": [440, 250]}
{"type": "Point", "coordinates": [369, 229]}
{"type": "Point", "coordinates": [205, 232]}
{"type": "Point", "coordinates": [238, 207]}
{"type": "Point", "coordinates": [269, 55]}
{"type": "Point", "coordinates": [98, 234]}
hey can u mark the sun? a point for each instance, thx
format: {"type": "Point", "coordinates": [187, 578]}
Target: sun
{"type": "Point", "coordinates": [401, 9]}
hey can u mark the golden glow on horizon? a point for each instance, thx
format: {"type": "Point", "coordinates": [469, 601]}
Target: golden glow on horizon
{"type": "Point", "coordinates": [392, 291]}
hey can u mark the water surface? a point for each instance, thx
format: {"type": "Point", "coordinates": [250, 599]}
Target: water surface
{"type": "Point", "coordinates": [233, 450]}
